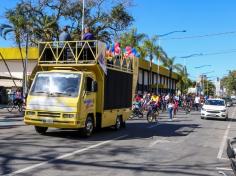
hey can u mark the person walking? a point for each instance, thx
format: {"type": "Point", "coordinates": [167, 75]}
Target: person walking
{"type": "Point", "coordinates": [170, 107]}
{"type": "Point", "coordinates": [197, 102]}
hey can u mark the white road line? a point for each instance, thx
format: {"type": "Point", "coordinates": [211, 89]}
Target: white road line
{"type": "Point", "coordinates": [158, 141]}
{"type": "Point", "coordinates": [222, 146]}
{"type": "Point", "coordinates": [64, 156]}
{"type": "Point", "coordinates": [224, 168]}
{"type": "Point", "coordinates": [152, 126]}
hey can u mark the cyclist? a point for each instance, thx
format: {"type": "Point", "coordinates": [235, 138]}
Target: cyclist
{"type": "Point", "coordinates": [18, 99]}
{"type": "Point", "coordinates": [154, 101]}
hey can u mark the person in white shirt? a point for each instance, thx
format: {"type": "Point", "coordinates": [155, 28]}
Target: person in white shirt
{"type": "Point", "coordinates": [197, 102]}
{"type": "Point", "coordinates": [170, 107]}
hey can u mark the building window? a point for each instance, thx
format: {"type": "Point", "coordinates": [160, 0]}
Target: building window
{"type": "Point", "coordinates": [140, 77]}
{"type": "Point", "coordinates": [145, 78]}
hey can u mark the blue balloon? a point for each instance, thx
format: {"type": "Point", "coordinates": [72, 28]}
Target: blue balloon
{"type": "Point", "coordinates": [112, 48]}
{"type": "Point", "coordinates": [107, 46]}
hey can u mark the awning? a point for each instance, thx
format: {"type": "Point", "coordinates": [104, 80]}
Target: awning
{"type": "Point", "coordinates": [9, 83]}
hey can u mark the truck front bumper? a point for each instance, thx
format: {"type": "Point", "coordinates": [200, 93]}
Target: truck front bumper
{"type": "Point", "coordinates": [53, 123]}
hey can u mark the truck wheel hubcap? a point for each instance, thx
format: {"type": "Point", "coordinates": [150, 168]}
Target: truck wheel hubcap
{"type": "Point", "coordinates": [89, 126]}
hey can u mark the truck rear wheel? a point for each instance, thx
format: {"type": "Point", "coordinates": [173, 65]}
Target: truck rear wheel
{"type": "Point", "coordinates": [40, 130]}
{"type": "Point", "coordinates": [89, 126]}
{"type": "Point", "coordinates": [118, 123]}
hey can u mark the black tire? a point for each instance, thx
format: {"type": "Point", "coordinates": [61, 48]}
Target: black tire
{"type": "Point", "coordinates": [202, 117]}
{"type": "Point", "coordinates": [118, 123]}
{"type": "Point", "coordinates": [20, 107]}
{"type": "Point", "coordinates": [89, 127]}
{"type": "Point", "coordinates": [10, 106]}
{"type": "Point", "coordinates": [149, 117]}
{"type": "Point", "coordinates": [123, 125]}
{"type": "Point", "coordinates": [226, 118]}
{"type": "Point", "coordinates": [41, 130]}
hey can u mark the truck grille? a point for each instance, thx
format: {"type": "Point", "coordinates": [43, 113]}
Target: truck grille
{"type": "Point", "coordinates": [49, 114]}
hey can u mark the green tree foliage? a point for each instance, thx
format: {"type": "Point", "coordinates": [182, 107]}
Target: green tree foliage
{"type": "Point", "coordinates": [209, 88]}
{"type": "Point", "coordinates": [184, 82]}
{"type": "Point", "coordinates": [229, 82]}
{"type": "Point", "coordinates": [42, 19]}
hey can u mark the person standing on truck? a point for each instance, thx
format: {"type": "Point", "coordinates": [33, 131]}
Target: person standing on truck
{"type": "Point", "coordinates": [88, 35]}
{"type": "Point", "coordinates": [65, 35]}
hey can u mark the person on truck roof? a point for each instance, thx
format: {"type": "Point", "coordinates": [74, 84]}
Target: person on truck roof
{"type": "Point", "coordinates": [65, 36]}
{"type": "Point", "coordinates": [87, 34]}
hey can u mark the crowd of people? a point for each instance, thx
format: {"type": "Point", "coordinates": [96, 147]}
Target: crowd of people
{"type": "Point", "coordinates": [169, 102]}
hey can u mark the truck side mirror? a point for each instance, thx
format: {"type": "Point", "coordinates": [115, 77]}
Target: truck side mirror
{"type": "Point", "coordinates": [94, 86]}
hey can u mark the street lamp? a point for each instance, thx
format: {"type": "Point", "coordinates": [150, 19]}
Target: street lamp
{"type": "Point", "coordinates": [159, 44]}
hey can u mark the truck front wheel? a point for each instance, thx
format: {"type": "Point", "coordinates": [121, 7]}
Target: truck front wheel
{"type": "Point", "coordinates": [40, 130]}
{"type": "Point", "coordinates": [89, 126]}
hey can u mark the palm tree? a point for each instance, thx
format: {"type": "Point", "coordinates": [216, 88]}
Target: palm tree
{"type": "Point", "coordinates": [44, 28]}
{"type": "Point", "coordinates": [170, 64]}
{"type": "Point", "coordinates": [183, 79]}
{"type": "Point", "coordinates": [150, 49]}
{"type": "Point", "coordinates": [132, 38]}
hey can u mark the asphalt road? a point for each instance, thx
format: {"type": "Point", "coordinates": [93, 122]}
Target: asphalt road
{"type": "Point", "coordinates": [186, 146]}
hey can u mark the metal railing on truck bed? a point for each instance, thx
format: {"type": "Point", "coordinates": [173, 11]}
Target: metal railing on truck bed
{"type": "Point", "coordinates": [75, 53]}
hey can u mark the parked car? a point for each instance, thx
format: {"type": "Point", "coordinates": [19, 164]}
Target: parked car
{"type": "Point", "coordinates": [228, 101]}
{"type": "Point", "coordinates": [214, 108]}
{"type": "Point", "coordinates": [234, 100]}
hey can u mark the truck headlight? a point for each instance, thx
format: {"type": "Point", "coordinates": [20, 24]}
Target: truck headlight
{"type": "Point", "coordinates": [224, 110]}
{"type": "Point", "coordinates": [31, 113]}
{"type": "Point", "coordinates": [68, 115]}
{"type": "Point", "coordinates": [203, 109]}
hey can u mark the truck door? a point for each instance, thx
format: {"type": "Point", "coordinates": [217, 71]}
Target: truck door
{"type": "Point", "coordinates": [89, 98]}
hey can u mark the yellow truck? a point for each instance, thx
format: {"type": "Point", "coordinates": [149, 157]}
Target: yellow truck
{"type": "Point", "coordinates": [74, 86]}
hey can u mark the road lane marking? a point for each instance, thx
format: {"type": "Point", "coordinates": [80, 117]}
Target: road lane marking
{"type": "Point", "coordinates": [224, 168]}
{"type": "Point", "coordinates": [152, 126]}
{"type": "Point", "coordinates": [222, 146]}
{"type": "Point", "coordinates": [64, 156]}
{"type": "Point", "coordinates": [158, 141]}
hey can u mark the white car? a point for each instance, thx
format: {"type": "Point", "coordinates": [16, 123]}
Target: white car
{"type": "Point", "coordinates": [214, 108]}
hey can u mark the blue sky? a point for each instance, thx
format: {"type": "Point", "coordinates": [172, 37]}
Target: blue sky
{"type": "Point", "coordinates": [197, 17]}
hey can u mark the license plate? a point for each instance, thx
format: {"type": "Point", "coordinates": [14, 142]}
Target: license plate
{"type": "Point", "coordinates": [47, 120]}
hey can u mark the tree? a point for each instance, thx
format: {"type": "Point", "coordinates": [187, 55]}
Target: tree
{"type": "Point", "coordinates": [209, 89]}
{"type": "Point", "coordinates": [106, 22]}
{"type": "Point", "coordinates": [184, 81]}
{"type": "Point", "coordinates": [150, 48]}
{"type": "Point", "coordinates": [170, 64]}
{"type": "Point", "coordinates": [132, 38]}
{"type": "Point", "coordinates": [16, 27]}
{"type": "Point", "coordinates": [229, 82]}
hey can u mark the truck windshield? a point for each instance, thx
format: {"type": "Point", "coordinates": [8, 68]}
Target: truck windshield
{"type": "Point", "coordinates": [56, 84]}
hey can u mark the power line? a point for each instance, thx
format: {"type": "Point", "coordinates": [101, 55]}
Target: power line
{"type": "Point", "coordinates": [213, 53]}
{"type": "Point", "coordinates": [201, 36]}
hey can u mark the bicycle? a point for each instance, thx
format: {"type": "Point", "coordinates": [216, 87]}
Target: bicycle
{"type": "Point", "coordinates": [137, 111]}
{"type": "Point", "coordinates": [18, 105]}
{"type": "Point", "coordinates": [152, 113]}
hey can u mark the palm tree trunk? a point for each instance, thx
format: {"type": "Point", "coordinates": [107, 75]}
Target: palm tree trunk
{"type": "Point", "coordinates": [150, 77]}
